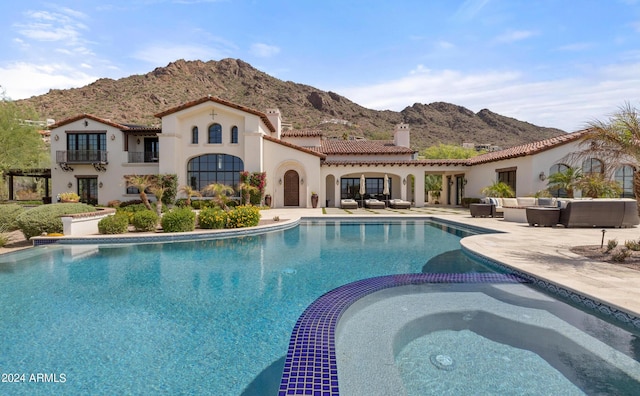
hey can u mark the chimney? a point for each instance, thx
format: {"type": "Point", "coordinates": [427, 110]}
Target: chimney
{"type": "Point", "coordinates": [401, 135]}
{"type": "Point", "coordinates": [274, 116]}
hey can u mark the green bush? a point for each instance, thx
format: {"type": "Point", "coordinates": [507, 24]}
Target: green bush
{"type": "Point", "coordinates": [212, 218]}
{"type": "Point", "coordinates": [243, 216]}
{"type": "Point", "coordinates": [8, 215]}
{"type": "Point", "coordinates": [131, 209]}
{"type": "Point", "coordinates": [46, 218]}
{"type": "Point", "coordinates": [116, 224]}
{"type": "Point", "coordinates": [145, 220]}
{"type": "Point", "coordinates": [179, 220]}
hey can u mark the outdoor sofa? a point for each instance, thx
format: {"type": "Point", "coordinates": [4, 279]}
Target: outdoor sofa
{"type": "Point", "coordinates": [399, 204]}
{"type": "Point", "coordinates": [512, 209]}
{"type": "Point", "coordinates": [613, 212]}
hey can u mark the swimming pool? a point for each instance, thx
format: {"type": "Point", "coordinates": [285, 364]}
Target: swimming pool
{"type": "Point", "coordinates": [199, 317]}
{"type": "Point", "coordinates": [210, 316]}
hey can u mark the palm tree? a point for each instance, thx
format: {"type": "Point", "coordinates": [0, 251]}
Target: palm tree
{"type": "Point", "coordinates": [617, 140]}
{"type": "Point", "coordinates": [189, 192]}
{"type": "Point", "coordinates": [220, 194]}
{"type": "Point", "coordinates": [498, 189]}
{"type": "Point", "coordinates": [247, 189]}
{"type": "Point", "coordinates": [565, 180]}
{"type": "Point", "coordinates": [158, 191]}
{"type": "Point", "coordinates": [596, 186]}
{"type": "Point", "coordinates": [141, 182]}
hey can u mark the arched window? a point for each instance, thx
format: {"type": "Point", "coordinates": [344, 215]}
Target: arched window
{"type": "Point", "coordinates": [234, 134]}
{"type": "Point", "coordinates": [194, 135]}
{"type": "Point", "coordinates": [214, 168]}
{"type": "Point", "coordinates": [558, 168]}
{"type": "Point", "coordinates": [215, 134]}
{"type": "Point", "coordinates": [592, 166]}
{"type": "Point", "coordinates": [624, 176]}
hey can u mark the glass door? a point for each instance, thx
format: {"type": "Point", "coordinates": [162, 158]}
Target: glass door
{"type": "Point", "coordinates": [88, 190]}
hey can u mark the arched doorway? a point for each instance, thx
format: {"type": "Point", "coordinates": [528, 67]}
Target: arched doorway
{"type": "Point", "coordinates": [291, 188]}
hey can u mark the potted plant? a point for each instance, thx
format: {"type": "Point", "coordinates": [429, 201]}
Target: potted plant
{"type": "Point", "coordinates": [69, 197]}
{"type": "Point", "coordinates": [267, 200]}
{"type": "Point", "coordinates": [314, 199]}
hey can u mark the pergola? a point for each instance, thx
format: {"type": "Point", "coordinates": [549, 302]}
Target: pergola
{"type": "Point", "coordinates": [43, 173]}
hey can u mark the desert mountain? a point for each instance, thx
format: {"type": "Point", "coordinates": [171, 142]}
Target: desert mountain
{"type": "Point", "coordinates": [135, 100]}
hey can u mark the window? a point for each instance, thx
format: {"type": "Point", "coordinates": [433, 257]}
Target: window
{"type": "Point", "coordinates": [88, 190]}
{"type": "Point", "coordinates": [214, 168]}
{"type": "Point", "coordinates": [194, 135]}
{"type": "Point", "coordinates": [234, 134]}
{"type": "Point", "coordinates": [558, 192]}
{"type": "Point", "coordinates": [507, 176]}
{"type": "Point", "coordinates": [624, 176]}
{"type": "Point", "coordinates": [215, 134]}
{"type": "Point", "coordinates": [592, 166]}
{"type": "Point", "coordinates": [374, 186]}
{"type": "Point", "coordinates": [90, 147]}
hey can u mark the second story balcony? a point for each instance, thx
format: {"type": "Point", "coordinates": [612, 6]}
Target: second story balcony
{"type": "Point", "coordinates": [81, 156]}
{"type": "Point", "coordinates": [136, 157]}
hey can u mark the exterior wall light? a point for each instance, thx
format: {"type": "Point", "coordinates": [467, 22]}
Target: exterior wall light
{"type": "Point", "coordinates": [301, 180]}
{"type": "Point", "coordinates": [542, 176]}
{"type": "Point", "coordinates": [69, 185]}
{"type": "Point", "coordinates": [113, 137]}
{"type": "Point", "coordinates": [280, 181]}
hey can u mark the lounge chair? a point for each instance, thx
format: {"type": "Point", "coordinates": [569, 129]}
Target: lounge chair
{"type": "Point", "coordinates": [348, 204]}
{"type": "Point", "coordinates": [399, 204]}
{"type": "Point", "coordinates": [374, 204]}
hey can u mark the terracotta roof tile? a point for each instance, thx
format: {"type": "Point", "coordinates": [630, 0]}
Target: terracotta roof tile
{"type": "Point", "coordinates": [302, 133]}
{"type": "Point", "coordinates": [381, 147]}
{"type": "Point", "coordinates": [527, 149]}
{"type": "Point", "coordinates": [192, 103]}
{"type": "Point", "coordinates": [91, 117]}
{"type": "Point", "coordinates": [398, 162]}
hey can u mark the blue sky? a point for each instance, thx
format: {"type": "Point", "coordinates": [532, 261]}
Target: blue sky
{"type": "Point", "coordinates": [556, 63]}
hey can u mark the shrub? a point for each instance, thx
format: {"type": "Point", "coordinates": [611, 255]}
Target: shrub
{"type": "Point", "coordinates": [131, 209]}
{"type": "Point", "coordinates": [179, 220]}
{"type": "Point", "coordinates": [632, 245]}
{"type": "Point", "coordinates": [130, 202]}
{"type": "Point", "coordinates": [243, 216]}
{"type": "Point", "coordinates": [145, 220]}
{"type": "Point", "coordinates": [8, 215]}
{"type": "Point", "coordinates": [212, 218]}
{"type": "Point", "coordinates": [620, 255]}
{"type": "Point", "coordinates": [46, 218]}
{"type": "Point", "coordinates": [611, 244]}
{"type": "Point", "coordinates": [116, 224]}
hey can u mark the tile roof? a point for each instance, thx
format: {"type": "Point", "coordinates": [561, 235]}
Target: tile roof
{"type": "Point", "coordinates": [527, 149]}
{"type": "Point", "coordinates": [89, 116]}
{"type": "Point", "coordinates": [293, 146]}
{"type": "Point", "coordinates": [302, 133]}
{"type": "Point", "coordinates": [223, 102]}
{"type": "Point", "coordinates": [362, 147]}
{"type": "Point", "coordinates": [442, 162]}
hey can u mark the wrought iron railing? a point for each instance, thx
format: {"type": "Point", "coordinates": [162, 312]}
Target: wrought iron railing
{"type": "Point", "coordinates": [81, 156]}
{"type": "Point", "coordinates": [142, 156]}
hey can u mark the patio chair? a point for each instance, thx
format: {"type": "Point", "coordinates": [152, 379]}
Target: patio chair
{"type": "Point", "coordinates": [399, 204]}
{"type": "Point", "coordinates": [348, 204]}
{"type": "Point", "coordinates": [374, 204]}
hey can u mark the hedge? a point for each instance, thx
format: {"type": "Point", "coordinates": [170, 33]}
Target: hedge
{"type": "Point", "coordinates": [145, 220]}
{"type": "Point", "coordinates": [46, 218]}
{"type": "Point", "coordinates": [8, 215]}
{"type": "Point", "coordinates": [179, 220]}
{"type": "Point", "coordinates": [243, 216]}
{"type": "Point", "coordinates": [116, 224]}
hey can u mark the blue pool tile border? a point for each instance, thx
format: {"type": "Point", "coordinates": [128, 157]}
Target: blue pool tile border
{"type": "Point", "coordinates": [310, 366]}
{"type": "Point", "coordinates": [564, 293]}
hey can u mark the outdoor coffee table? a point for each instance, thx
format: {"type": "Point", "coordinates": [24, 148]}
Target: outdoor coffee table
{"type": "Point", "coordinates": [543, 216]}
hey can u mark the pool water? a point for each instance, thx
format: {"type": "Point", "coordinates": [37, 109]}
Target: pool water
{"type": "Point", "coordinates": [203, 317]}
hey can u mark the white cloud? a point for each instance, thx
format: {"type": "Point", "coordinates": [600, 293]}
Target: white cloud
{"type": "Point", "coordinates": [22, 80]}
{"type": "Point", "coordinates": [52, 26]}
{"type": "Point", "coordinates": [469, 9]}
{"type": "Point", "coordinates": [567, 103]}
{"type": "Point", "coordinates": [515, 35]}
{"type": "Point", "coordinates": [264, 50]}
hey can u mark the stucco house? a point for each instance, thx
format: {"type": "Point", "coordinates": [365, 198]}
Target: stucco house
{"type": "Point", "coordinates": [211, 140]}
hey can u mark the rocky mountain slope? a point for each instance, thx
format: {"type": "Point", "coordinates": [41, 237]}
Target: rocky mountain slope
{"type": "Point", "coordinates": [135, 100]}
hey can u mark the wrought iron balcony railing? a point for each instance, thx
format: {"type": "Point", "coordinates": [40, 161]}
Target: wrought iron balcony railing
{"type": "Point", "coordinates": [81, 156]}
{"type": "Point", "coordinates": [142, 156]}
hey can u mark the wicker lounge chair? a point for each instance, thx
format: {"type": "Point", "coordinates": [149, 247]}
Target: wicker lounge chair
{"type": "Point", "coordinates": [348, 204]}
{"type": "Point", "coordinates": [374, 204]}
{"type": "Point", "coordinates": [399, 204]}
